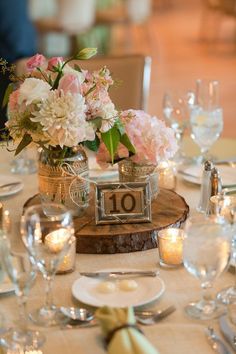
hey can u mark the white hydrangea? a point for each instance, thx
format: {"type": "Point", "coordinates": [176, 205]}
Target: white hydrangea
{"type": "Point", "coordinates": [62, 116]}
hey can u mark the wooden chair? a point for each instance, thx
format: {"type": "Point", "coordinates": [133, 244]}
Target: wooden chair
{"type": "Point", "coordinates": [132, 79]}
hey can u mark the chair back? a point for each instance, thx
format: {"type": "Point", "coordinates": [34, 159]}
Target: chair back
{"type": "Point", "coordinates": [132, 79]}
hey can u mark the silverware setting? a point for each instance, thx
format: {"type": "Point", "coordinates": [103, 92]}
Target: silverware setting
{"type": "Point", "coordinates": [216, 342]}
{"type": "Point", "coordinates": [108, 274]}
{"type": "Point", "coordinates": [82, 318]}
{"type": "Point", "coordinates": [227, 331]}
{"type": "Point", "coordinates": [156, 317]}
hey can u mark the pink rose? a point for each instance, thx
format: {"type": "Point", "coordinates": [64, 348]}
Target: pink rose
{"type": "Point", "coordinates": [54, 63]}
{"type": "Point", "coordinates": [36, 61]}
{"type": "Point", "coordinates": [70, 83]}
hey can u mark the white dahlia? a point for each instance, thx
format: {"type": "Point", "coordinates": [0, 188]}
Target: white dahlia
{"type": "Point", "coordinates": [62, 116]}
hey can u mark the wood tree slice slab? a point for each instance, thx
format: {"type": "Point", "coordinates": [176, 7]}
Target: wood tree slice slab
{"type": "Point", "coordinates": [168, 210]}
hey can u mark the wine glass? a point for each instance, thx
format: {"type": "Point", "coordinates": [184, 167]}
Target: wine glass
{"type": "Point", "coordinates": [47, 231]}
{"type": "Point", "coordinates": [225, 206]}
{"type": "Point", "coordinates": [176, 112]}
{"type": "Point", "coordinates": [23, 164]}
{"type": "Point", "coordinates": [206, 117]}
{"type": "Point", "coordinates": [22, 273]}
{"type": "Point", "coordinates": [206, 254]}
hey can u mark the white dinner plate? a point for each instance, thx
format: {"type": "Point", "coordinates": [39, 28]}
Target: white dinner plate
{"type": "Point", "coordinates": [86, 289]}
{"type": "Point", "coordinates": [193, 174]}
{"type": "Point", "coordinates": [4, 179]}
{"type": "Point", "coordinates": [96, 173]}
{"type": "Point", "coordinates": [103, 175]}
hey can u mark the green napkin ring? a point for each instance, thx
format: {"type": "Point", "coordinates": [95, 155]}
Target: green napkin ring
{"type": "Point", "coordinates": [126, 325]}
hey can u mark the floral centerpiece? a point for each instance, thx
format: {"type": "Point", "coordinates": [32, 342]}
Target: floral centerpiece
{"type": "Point", "coordinates": [59, 108]}
{"type": "Point", "coordinates": [153, 141]}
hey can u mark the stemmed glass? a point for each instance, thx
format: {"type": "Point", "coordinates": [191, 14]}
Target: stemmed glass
{"type": "Point", "coordinates": [47, 231]}
{"type": "Point", "coordinates": [206, 254]}
{"type": "Point", "coordinates": [225, 206]}
{"type": "Point", "coordinates": [22, 273]}
{"type": "Point", "coordinates": [176, 112]}
{"type": "Point", "coordinates": [206, 118]}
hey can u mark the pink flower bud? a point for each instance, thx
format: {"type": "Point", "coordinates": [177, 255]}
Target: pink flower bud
{"type": "Point", "coordinates": [36, 61]}
{"type": "Point", "coordinates": [54, 63]}
{"type": "Point", "coordinates": [70, 83]}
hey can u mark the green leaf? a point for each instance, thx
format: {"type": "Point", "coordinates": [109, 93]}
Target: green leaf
{"type": "Point", "coordinates": [92, 145]}
{"type": "Point", "coordinates": [111, 139]}
{"type": "Point", "coordinates": [124, 139]}
{"type": "Point", "coordinates": [120, 127]}
{"type": "Point", "coordinates": [86, 53]}
{"type": "Point", "coordinates": [26, 140]}
{"type": "Point", "coordinates": [9, 90]}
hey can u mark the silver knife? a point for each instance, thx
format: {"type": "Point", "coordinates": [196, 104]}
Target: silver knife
{"type": "Point", "coordinates": [228, 332]}
{"type": "Point", "coordinates": [105, 274]}
{"type": "Point", "coordinates": [216, 342]}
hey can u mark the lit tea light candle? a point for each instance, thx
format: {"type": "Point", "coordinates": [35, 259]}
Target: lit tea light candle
{"type": "Point", "coordinates": [68, 263]}
{"type": "Point", "coordinates": [56, 240]}
{"type": "Point", "coordinates": [170, 243]}
{"type": "Point", "coordinates": [167, 175]}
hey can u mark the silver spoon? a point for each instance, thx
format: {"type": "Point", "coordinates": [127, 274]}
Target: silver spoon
{"type": "Point", "coordinates": [77, 314]}
{"type": "Point", "coordinates": [158, 316]}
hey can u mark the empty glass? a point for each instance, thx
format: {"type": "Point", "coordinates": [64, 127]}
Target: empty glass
{"type": "Point", "coordinates": [22, 274]}
{"type": "Point", "coordinates": [176, 112]}
{"type": "Point", "coordinates": [206, 117]}
{"type": "Point", "coordinates": [206, 254]}
{"type": "Point", "coordinates": [47, 232]}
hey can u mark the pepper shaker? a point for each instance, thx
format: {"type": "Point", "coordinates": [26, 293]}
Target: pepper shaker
{"type": "Point", "coordinates": [205, 192]}
{"type": "Point", "coordinates": [216, 187]}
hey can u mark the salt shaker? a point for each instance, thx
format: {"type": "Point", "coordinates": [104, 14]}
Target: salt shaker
{"type": "Point", "coordinates": [205, 192]}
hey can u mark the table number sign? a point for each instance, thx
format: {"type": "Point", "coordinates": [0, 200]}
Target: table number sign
{"type": "Point", "coordinates": [117, 203]}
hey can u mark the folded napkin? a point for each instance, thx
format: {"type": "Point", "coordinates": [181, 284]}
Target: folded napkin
{"type": "Point", "coordinates": [122, 335]}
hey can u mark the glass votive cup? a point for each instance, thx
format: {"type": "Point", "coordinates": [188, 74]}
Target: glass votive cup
{"type": "Point", "coordinates": [67, 264]}
{"type": "Point", "coordinates": [167, 175]}
{"type": "Point", "coordinates": [170, 243]}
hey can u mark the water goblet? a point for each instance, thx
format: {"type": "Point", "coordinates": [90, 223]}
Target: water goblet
{"type": "Point", "coordinates": [47, 231]}
{"type": "Point", "coordinates": [176, 112]}
{"type": "Point", "coordinates": [23, 164]}
{"type": "Point", "coordinates": [206, 254]}
{"type": "Point", "coordinates": [206, 117]}
{"type": "Point", "coordinates": [22, 274]}
{"type": "Point", "coordinates": [225, 206]}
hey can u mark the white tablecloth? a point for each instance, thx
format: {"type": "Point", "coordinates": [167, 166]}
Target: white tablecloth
{"type": "Point", "coordinates": [177, 334]}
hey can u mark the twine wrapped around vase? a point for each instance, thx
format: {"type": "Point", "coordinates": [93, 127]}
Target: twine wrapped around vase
{"type": "Point", "coordinates": [130, 171]}
{"type": "Point", "coordinates": [64, 180]}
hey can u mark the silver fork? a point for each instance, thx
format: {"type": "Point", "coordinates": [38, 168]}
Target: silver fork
{"type": "Point", "coordinates": [158, 316]}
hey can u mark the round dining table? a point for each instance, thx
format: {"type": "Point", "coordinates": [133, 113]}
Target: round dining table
{"type": "Point", "coordinates": [176, 334]}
